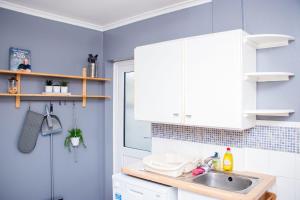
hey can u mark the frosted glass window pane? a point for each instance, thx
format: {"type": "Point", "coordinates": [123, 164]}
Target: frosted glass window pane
{"type": "Point", "coordinates": [137, 134]}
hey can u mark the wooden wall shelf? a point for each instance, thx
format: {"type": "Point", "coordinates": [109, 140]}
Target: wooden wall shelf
{"type": "Point", "coordinates": [84, 96]}
{"type": "Point", "coordinates": [53, 95]}
{"type": "Point", "coordinates": [41, 74]}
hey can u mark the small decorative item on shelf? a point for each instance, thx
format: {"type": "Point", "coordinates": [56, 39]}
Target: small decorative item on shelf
{"type": "Point", "coordinates": [12, 85]}
{"type": "Point", "coordinates": [92, 70]}
{"type": "Point", "coordinates": [74, 139]}
{"type": "Point", "coordinates": [64, 87]}
{"type": "Point", "coordinates": [24, 66]}
{"type": "Point", "coordinates": [48, 86]}
{"type": "Point", "coordinates": [20, 59]}
{"type": "Point", "coordinates": [56, 88]}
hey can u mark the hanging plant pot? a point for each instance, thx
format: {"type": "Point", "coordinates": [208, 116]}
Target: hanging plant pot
{"type": "Point", "coordinates": [75, 141]}
{"type": "Point", "coordinates": [75, 137]}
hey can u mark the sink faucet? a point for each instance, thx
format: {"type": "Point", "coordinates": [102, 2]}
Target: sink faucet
{"type": "Point", "coordinates": [208, 162]}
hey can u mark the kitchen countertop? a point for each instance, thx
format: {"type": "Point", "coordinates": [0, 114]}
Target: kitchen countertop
{"type": "Point", "coordinates": [266, 181]}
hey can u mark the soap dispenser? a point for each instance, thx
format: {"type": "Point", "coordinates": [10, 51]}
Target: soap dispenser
{"type": "Point", "coordinates": [216, 163]}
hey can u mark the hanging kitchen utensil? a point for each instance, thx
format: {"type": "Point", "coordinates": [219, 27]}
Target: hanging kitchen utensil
{"type": "Point", "coordinates": [51, 125]}
{"type": "Point", "coordinates": [30, 131]}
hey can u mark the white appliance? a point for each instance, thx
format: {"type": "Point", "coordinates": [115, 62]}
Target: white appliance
{"type": "Point", "coordinates": [130, 188]}
{"type": "Point", "coordinates": [185, 195]}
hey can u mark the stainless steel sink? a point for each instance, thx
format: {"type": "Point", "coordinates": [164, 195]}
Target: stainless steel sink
{"type": "Point", "coordinates": [227, 181]}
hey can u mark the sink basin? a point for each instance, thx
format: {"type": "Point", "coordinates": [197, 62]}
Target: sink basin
{"type": "Point", "coordinates": [227, 181]}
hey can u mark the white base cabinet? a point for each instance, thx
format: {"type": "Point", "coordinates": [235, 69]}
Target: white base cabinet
{"type": "Point", "coordinates": [185, 195]}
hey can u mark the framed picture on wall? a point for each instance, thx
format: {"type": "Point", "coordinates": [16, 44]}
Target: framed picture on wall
{"type": "Point", "coordinates": [19, 59]}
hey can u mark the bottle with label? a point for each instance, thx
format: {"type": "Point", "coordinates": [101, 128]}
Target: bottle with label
{"type": "Point", "coordinates": [216, 162]}
{"type": "Point", "coordinates": [228, 161]}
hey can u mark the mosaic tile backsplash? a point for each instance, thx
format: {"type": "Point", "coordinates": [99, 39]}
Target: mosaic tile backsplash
{"type": "Point", "coordinates": [261, 137]}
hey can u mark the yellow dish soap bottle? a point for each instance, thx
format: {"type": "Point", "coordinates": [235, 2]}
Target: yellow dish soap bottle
{"type": "Point", "coordinates": [228, 161]}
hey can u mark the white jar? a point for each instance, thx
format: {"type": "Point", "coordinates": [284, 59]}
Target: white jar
{"type": "Point", "coordinates": [48, 89]}
{"type": "Point", "coordinates": [56, 89]}
{"type": "Point", "coordinates": [64, 89]}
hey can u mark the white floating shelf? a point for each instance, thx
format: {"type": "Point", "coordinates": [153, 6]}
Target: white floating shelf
{"type": "Point", "coordinates": [270, 112]}
{"type": "Point", "coordinates": [262, 41]}
{"type": "Point", "coordinates": [268, 76]}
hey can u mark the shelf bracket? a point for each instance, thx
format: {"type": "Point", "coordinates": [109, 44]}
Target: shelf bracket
{"type": "Point", "coordinates": [84, 93]}
{"type": "Point", "coordinates": [18, 97]}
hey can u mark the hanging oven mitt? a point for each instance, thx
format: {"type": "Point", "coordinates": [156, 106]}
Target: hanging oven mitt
{"type": "Point", "coordinates": [30, 131]}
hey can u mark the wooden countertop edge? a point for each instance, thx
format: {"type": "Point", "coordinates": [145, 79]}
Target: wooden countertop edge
{"type": "Point", "coordinates": [266, 181]}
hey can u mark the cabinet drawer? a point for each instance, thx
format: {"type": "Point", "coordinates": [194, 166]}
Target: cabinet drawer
{"type": "Point", "coordinates": [134, 192]}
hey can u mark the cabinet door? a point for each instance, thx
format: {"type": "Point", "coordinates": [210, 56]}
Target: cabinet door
{"type": "Point", "coordinates": [213, 80]}
{"type": "Point", "coordinates": [158, 83]}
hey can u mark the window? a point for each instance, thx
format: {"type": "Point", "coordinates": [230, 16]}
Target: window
{"type": "Point", "coordinates": [137, 134]}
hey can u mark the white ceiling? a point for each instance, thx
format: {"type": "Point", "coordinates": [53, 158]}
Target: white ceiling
{"type": "Point", "coordinates": [100, 13]}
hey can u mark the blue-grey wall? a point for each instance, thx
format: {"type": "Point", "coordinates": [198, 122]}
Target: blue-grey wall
{"type": "Point", "coordinates": [255, 16]}
{"type": "Point", "coordinates": [56, 48]}
{"type": "Point", "coordinates": [61, 48]}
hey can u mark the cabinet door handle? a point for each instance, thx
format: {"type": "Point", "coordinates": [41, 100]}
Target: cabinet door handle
{"type": "Point", "coordinates": [136, 192]}
{"type": "Point", "coordinates": [189, 116]}
{"type": "Point", "coordinates": [176, 114]}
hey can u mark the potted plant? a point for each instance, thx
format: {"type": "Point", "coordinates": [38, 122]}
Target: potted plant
{"type": "Point", "coordinates": [48, 86]}
{"type": "Point", "coordinates": [64, 87]}
{"type": "Point", "coordinates": [74, 139]}
{"type": "Point", "coordinates": [56, 88]}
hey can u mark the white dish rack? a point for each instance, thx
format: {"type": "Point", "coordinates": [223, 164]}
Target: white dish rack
{"type": "Point", "coordinates": [170, 164]}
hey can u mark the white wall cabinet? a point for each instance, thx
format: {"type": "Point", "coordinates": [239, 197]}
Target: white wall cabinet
{"type": "Point", "coordinates": [198, 81]}
{"type": "Point", "coordinates": [158, 82]}
{"type": "Point", "coordinates": [215, 92]}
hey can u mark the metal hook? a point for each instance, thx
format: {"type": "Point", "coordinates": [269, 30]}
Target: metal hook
{"type": "Point", "coordinates": [29, 105]}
